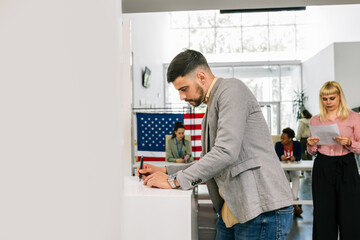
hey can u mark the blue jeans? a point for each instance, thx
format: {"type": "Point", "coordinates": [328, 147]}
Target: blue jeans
{"type": "Point", "coordinates": [273, 225]}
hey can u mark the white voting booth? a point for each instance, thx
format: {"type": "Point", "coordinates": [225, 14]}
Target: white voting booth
{"type": "Point", "coordinates": [156, 214]}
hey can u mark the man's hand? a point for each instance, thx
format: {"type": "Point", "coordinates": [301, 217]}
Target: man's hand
{"type": "Point", "coordinates": [313, 140]}
{"type": "Point", "coordinates": [149, 169]}
{"type": "Point", "coordinates": [158, 180]}
{"type": "Point", "coordinates": [283, 158]}
{"type": "Point", "coordinates": [292, 159]}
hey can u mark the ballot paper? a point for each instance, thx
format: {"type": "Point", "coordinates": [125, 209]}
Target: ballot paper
{"type": "Point", "coordinates": [326, 133]}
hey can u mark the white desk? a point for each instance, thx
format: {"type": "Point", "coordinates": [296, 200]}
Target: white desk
{"type": "Point", "coordinates": [156, 214]}
{"type": "Point", "coordinates": [303, 165]}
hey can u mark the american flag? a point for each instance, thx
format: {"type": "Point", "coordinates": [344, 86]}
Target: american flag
{"type": "Point", "coordinates": [152, 128]}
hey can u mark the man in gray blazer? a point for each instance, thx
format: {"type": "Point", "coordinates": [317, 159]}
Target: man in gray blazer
{"type": "Point", "coordinates": [246, 183]}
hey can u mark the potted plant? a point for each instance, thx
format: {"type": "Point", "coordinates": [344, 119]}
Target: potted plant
{"type": "Point", "coordinates": [299, 103]}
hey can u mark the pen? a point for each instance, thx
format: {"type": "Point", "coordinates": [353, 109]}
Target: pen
{"type": "Point", "coordinates": [141, 166]}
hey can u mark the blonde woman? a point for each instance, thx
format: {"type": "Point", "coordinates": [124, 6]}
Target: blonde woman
{"type": "Point", "coordinates": [336, 181]}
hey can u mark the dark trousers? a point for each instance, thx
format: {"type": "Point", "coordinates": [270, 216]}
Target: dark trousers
{"type": "Point", "coordinates": [336, 197]}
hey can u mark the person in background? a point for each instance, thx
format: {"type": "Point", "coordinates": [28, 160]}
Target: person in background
{"type": "Point", "coordinates": [290, 151]}
{"type": "Point", "coordinates": [335, 178]}
{"type": "Point", "coordinates": [245, 180]}
{"type": "Point", "coordinates": [178, 149]}
{"type": "Point", "coordinates": [303, 133]}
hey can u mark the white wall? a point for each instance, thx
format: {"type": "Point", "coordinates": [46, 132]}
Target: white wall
{"type": "Point", "coordinates": [151, 44]}
{"type": "Point", "coordinates": [329, 24]}
{"type": "Point", "coordinates": [148, 34]}
{"type": "Point", "coordinates": [347, 71]}
{"type": "Point", "coordinates": [316, 71]}
{"type": "Point", "coordinates": [125, 101]}
{"type": "Point", "coordinates": [339, 62]}
{"type": "Point", "coordinates": [61, 123]}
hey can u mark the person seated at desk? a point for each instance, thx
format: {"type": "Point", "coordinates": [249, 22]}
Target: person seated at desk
{"type": "Point", "coordinates": [290, 151]}
{"type": "Point", "coordinates": [178, 149]}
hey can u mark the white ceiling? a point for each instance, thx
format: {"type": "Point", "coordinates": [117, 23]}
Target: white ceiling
{"type": "Point", "coordinates": [138, 6]}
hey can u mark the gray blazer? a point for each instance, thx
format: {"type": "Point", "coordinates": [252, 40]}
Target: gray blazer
{"type": "Point", "coordinates": [238, 157]}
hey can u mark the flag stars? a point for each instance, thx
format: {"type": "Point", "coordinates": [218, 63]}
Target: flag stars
{"type": "Point", "coordinates": [152, 129]}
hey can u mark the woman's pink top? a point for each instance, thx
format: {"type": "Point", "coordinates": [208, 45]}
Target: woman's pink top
{"type": "Point", "coordinates": [349, 127]}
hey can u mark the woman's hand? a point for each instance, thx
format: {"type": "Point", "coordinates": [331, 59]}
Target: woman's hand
{"type": "Point", "coordinates": [149, 169]}
{"type": "Point", "coordinates": [283, 158]}
{"type": "Point", "coordinates": [344, 141]}
{"type": "Point", "coordinates": [180, 160]}
{"type": "Point", "coordinates": [292, 159]}
{"type": "Point", "coordinates": [313, 140]}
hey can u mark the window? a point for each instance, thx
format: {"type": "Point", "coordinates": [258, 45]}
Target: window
{"type": "Point", "coordinates": [213, 33]}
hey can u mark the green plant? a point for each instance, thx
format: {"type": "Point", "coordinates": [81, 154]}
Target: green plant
{"type": "Point", "coordinates": [299, 103]}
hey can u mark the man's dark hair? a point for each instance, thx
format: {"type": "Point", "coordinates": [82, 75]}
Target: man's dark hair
{"type": "Point", "coordinates": [289, 132]}
{"type": "Point", "coordinates": [184, 63]}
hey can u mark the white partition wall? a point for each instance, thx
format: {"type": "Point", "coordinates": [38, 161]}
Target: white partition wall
{"type": "Point", "coordinates": [347, 71]}
{"type": "Point", "coordinates": [316, 71]}
{"type": "Point", "coordinates": [61, 121]}
{"type": "Point", "coordinates": [338, 61]}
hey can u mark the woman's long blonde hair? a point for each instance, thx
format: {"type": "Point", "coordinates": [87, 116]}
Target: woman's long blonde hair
{"type": "Point", "coordinates": [333, 87]}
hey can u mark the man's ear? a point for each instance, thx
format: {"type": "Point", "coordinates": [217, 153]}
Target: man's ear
{"type": "Point", "coordinates": [201, 76]}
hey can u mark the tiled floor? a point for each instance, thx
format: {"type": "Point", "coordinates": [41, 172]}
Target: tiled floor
{"type": "Point", "coordinates": [301, 228]}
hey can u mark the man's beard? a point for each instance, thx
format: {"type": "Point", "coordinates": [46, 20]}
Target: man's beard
{"type": "Point", "coordinates": [196, 102]}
